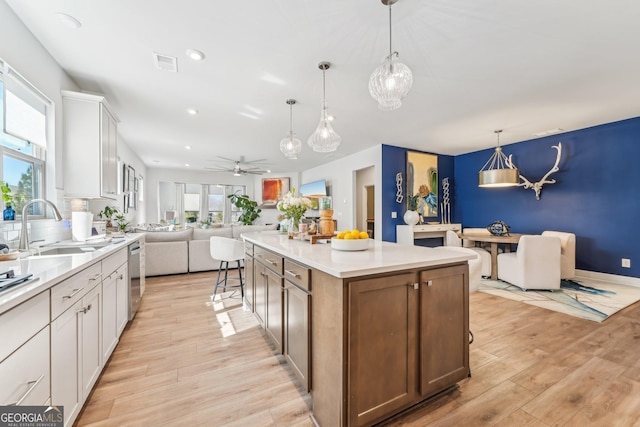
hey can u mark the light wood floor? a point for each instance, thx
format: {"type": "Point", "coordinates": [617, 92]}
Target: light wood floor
{"type": "Point", "coordinates": [185, 361]}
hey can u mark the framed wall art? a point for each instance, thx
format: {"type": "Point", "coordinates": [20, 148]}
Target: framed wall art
{"type": "Point", "coordinates": [273, 189]}
{"type": "Point", "coordinates": [422, 179]}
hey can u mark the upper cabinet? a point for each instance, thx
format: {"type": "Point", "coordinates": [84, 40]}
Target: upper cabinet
{"type": "Point", "coordinates": [90, 147]}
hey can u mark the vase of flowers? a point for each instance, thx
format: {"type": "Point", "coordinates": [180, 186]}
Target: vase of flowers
{"type": "Point", "coordinates": [293, 206]}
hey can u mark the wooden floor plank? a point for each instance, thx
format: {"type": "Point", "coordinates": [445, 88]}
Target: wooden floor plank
{"type": "Point", "coordinates": [186, 360]}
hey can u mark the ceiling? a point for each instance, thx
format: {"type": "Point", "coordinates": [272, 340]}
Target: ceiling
{"type": "Point", "coordinates": [522, 66]}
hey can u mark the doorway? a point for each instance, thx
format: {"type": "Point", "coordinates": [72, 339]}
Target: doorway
{"type": "Point", "coordinates": [365, 209]}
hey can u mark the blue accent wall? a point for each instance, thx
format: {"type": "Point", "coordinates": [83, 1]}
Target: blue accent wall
{"type": "Point", "coordinates": [595, 196]}
{"type": "Point", "coordinates": [394, 160]}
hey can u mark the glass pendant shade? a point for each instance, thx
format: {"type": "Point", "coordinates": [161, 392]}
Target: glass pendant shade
{"type": "Point", "coordinates": [498, 171]}
{"type": "Point", "coordinates": [324, 139]}
{"type": "Point", "coordinates": [392, 80]}
{"type": "Point", "coordinates": [290, 145]}
{"type": "Point", "coordinates": [390, 83]}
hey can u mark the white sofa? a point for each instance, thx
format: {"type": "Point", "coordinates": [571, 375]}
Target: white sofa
{"type": "Point", "coordinates": [187, 251]}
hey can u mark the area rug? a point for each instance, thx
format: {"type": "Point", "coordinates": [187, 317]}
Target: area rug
{"type": "Point", "coordinates": [586, 298]}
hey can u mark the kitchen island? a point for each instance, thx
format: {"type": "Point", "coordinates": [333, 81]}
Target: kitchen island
{"type": "Point", "coordinates": [368, 333]}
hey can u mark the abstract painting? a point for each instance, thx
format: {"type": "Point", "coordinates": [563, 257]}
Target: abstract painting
{"type": "Point", "coordinates": [422, 179]}
{"type": "Point", "coordinates": [272, 190]}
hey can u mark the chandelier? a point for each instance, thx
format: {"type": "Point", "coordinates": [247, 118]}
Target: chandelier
{"type": "Point", "coordinates": [324, 139]}
{"type": "Point", "coordinates": [392, 80]}
{"type": "Point", "coordinates": [290, 145]}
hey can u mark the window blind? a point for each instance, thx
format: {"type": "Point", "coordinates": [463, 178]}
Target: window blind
{"type": "Point", "coordinates": [25, 109]}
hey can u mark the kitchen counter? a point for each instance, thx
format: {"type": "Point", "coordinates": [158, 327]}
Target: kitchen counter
{"type": "Point", "coordinates": [381, 257]}
{"type": "Point", "coordinates": [48, 270]}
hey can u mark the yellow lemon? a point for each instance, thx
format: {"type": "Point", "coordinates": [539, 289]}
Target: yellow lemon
{"type": "Point", "coordinates": [355, 234]}
{"type": "Point", "coordinates": [364, 235]}
{"type": "Point", "coordinates": [348, 236]}
{"type": "Point", "coordinates": [340, 235]}
{"type": "Point", "coordinates": [355, 231]}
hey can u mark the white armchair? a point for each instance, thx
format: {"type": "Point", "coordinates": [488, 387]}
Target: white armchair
{"type": "Point", "coordinates": [451, 239]}
{"type": "Point", "coordinates": [567, 253]}
{"type": "Point", "coordinates": [535, 265]}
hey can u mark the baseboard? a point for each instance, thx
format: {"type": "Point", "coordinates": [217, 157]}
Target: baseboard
{"type": "Point", "coordinates": [611, 278]}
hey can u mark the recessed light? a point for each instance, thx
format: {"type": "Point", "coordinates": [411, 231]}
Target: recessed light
{"type": "Point", "coordinates": [194, 54]}
{"type": "Point", "coordinates": [268, 170]}
{"type": "Point", "coordinates": [188, 147]}
{"type": "Point", "coordinates": [187, 164]}
{"type": "Point", "coordinates": [192, 111]}
{"type": "Point", "coordinates": [68, 20]}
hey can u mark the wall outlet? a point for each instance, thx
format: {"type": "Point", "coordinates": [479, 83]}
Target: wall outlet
{"type": "Point", "coordinates": [626, 262]}
{"type": "Point", "coordinates": [394, 214]}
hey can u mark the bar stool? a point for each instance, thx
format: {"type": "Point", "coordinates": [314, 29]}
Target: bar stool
{"type": "Point", "coordinates": [227, 250]}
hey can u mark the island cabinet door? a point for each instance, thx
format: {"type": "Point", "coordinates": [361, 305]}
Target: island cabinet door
{"type": "Point", "coordinates": [297, 331]}
{"type": "Point", "coordinates": [274, 309]}
{"type": "Point", "coordinates": [260, 293]}
{"type": "Point", "coordinates": [382, 337]}
{"type": "Point", "coordinates": [444, 328]}
{"type": "Point", "coordinates": [249, 293]}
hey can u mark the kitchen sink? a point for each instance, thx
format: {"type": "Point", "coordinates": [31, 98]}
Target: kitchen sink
{"type": "Point", "coordinates": [68, 249]}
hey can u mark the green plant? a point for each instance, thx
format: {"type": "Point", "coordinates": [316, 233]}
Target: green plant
{"type": "Point", "coordinates": [413, 202]}
{"type": "Point", "coordinates": [107, 213]}
{"type": "Point", "coordinates": [250, 210]}
{"type": "Point", "coordinates": [7, 198]}
{"type": "Point", "coordinates": [122, 222]}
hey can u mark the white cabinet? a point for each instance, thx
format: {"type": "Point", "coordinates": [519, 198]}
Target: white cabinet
{"type": "Point", "coordinates": [76, 339]}
{"type": "Point", "coordinates": [24, 353]}
{"type": "Point", "coordinates": [90, 146]}
{"type": "Point", "coordinates": [116, 299]}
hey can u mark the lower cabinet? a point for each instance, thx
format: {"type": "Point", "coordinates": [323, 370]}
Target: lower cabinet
{"type": "Point", "coordinates": [407, 340]}
{"type": "Point", "coordinates": [109, 321]}
{"type": "Point", "coordinates": [249, 293]}
{"type": "Point", "coordinates": [122, 297]}
{"type": "Point", "coordinates": [297, 332]}
{"type": "Point", "coordinates": [274, 314]}
{"type": "Point", "coordinates": [260, 292]}
{"type": "Point", "coordinates": [76, 353]}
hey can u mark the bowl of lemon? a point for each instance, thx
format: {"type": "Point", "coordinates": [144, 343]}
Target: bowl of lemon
{"type": "Point", "coordinates": [350, 240]}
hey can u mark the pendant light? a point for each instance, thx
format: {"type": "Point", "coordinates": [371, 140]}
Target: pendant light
{"type": "Point", "coordinates": [392, 80]}
{"type": "Point", "coordinates": [498, 171]}
{"type": "Point", "coordinates": [324, 139]}
{"type": "Point", "coordinates": [290, 145]}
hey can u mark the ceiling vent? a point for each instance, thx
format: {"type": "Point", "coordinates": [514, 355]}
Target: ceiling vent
{"type": "Point", "coordinates": [165, 63]}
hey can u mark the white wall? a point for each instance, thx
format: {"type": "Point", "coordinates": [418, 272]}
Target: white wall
{"type": "Point", "coordinates": [20, 49]}
{"type": "Point", "coordinates": [341, 177]}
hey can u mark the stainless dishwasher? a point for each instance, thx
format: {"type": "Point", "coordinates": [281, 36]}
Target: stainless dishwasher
{"type": "Point", "coordinates": [135, 277]}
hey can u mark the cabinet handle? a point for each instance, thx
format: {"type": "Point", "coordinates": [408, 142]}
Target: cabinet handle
{"type": "Point", "coordinates": [120, 277]}
{"type": "Point", "coordinates": [292, 273]}
{"type": "Point", "coordinates": [96, 277]}
{"type": "Point", "coordinates": [416, 286]}
{"type": "Point", "coordinates": [429, 282]}
{"type": "Point", "coordinates": [269, 261]}
{"type": "Point", "coordinates": [32, 385]}
{"type": "Point", "coordinates": [85, 309]}
{"type": "Point", "coordinates": [262, 273]}
{"type": "Point", "coordinates": [73, 293]}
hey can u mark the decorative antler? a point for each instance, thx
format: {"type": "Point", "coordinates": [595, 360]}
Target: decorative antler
{"type": "Point", "coordinates": [537, 186]}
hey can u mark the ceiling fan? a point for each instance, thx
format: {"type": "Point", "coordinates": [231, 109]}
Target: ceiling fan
{"type": "Point", "coordinates": [238, 170]}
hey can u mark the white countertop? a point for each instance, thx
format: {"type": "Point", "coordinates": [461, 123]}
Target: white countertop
{"type": "Point", "coordinates": [51, 270]}
{"type": "Point", "coordinates": [381, 257]}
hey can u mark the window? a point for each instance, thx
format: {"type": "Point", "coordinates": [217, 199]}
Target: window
{"type": "Point", "coordinates": [23, 130]}
{"type": "Point", "coordinates": [193, 203]}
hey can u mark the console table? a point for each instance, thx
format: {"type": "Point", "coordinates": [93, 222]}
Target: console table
{"type": "Point", "coordinates": [406, 234]}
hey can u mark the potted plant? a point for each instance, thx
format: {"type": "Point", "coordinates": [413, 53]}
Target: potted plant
{"type": "Point", "coordinates": [250, 210]}
{"type": "Point", "coordinates": [122, 222]}
{"type": "Point", "coordinates": [9, 213]}
{"type": "Point", "coordinates": [107, 213]}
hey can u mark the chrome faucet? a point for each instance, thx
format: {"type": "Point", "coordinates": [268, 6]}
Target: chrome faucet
{"type": "Point", "coordinates": [24, 232]}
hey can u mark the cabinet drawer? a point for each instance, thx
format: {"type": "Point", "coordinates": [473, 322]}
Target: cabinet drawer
{"type": "Point", "coordinates": [112, 262]}
{"type": "Point", "coordinates": [22, 322]}
{"type": "Point", "coordinates": [25, 374]}
{"type": "Point", "coordinates": [297, 274]}
{"type": "Point", "coordinates": [269, 259]}
{"type": "Point", "coordinates": [67, 292]}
